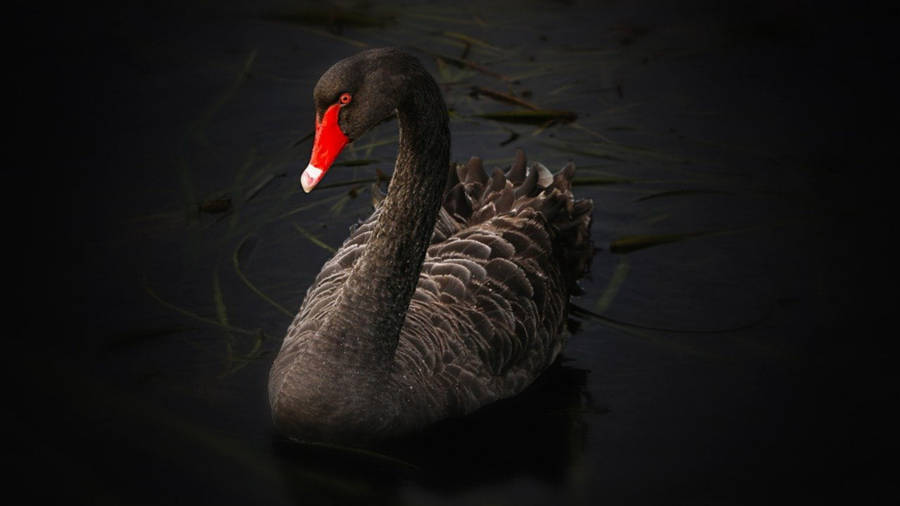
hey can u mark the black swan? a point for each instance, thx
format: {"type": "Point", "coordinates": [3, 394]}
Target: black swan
{"type": "Point", "coordinates": [452, 295]}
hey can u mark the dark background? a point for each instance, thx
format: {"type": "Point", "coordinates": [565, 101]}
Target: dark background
{"type": "Point", "coordinates": [92, 95]}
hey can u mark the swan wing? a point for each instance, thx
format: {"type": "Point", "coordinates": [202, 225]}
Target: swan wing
{"type": "Point", "coordinates": [489, 312]}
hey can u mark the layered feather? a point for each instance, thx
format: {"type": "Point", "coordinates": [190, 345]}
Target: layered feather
{"type": "Point", "coordinates": [489, 311]}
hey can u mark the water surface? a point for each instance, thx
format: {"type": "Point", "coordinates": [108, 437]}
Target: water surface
{"type": "Point", "coordinates": [705, 138]}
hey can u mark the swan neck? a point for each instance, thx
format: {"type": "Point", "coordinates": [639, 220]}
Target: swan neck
{"type": "Point", "coordinates": [374, 300]}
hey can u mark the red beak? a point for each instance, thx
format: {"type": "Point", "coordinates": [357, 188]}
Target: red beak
{"type": "Point", "coordinates": [329, 142]}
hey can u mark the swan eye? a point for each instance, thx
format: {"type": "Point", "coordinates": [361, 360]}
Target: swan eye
{"type": "Point", "coordinates": [345, 99]}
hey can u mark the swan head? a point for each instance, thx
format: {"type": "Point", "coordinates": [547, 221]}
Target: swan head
{"type": "Point", "coordinates": [353, 96]}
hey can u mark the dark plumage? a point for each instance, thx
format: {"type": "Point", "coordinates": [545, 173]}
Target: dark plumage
{"type": "Point", "coordinates": [452, 295]}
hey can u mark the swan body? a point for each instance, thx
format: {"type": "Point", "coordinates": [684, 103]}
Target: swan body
{"type": "Point", "coordinates": [450, 296]}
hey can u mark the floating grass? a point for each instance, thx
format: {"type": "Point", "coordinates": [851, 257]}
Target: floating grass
{"type": "Point", "coordinates": [540, 129]}
{"type": "Point", "coordinates": [243, 250]}
{"type": "Point", "coordinates": [450, 73]}
{"type": "Point", "coordinates": [268, 178]}
{"type": "Point", "coordinates": [338, 206]}
{"type": "Point", "coordinates": [239, 176]}
{"type": "Point", "coordinates": [631, 243]}
{"type": "Point", "coordinates": [219, 300]}
{"type": "Point", "coordinates": [240, 362]}
{"type": "Point", "coordinates": [530, 116]}
{"type": "Point", "coordinates": [513, 136]}
{"type": "Point", "coordinates": [361, 452]}
{"type": "Point", "coordinates": [586, 313]}
{"type": "Point", "coordinates": [468, 64]}
{"type": "Point", "coordinates": [620, 273]}
{"type": "Point", "coordinates": [468, 39]}
{"type": "Point", "coordinates": [313, 239]}
{"type": "Point", "coordinates": [215, 205]}
{"type": "Point", "coordinates": [561, 89]}
{"type": "Point", "coordinates": [190, 314]}
{"type": "Point", "coordinates": [584, 149]}
{"type": "Point", "coordinates": [656, 335]}
{"type": "Point", "coordinates": [611, 150]}
{"type": "Point", "coordinates": [315, 203]}
{"type": "Point", "coordinates": [653, 337]}
{"type": "Point", "coordinates": [652, 220]}
{"type": "Point", "coordinates": [222, 317]}
{"type": "Point", "coordinates": [503, 97]}
{"type": "Point", "coordinates": [650, 153]}
{"type": "Point", "coordinates": [591, 132]}
{"type": "Point", "coordinates": [256, 349]}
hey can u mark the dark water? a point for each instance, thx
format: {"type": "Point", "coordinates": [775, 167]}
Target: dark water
{"type": "Point", "coordinates": [742, 362]}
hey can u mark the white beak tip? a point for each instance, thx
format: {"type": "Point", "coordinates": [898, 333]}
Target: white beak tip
{"type": "Point", "coordinates": [311, 177]}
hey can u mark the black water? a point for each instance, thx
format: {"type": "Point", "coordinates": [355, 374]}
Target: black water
{"type": "Point", "coordinates": [744, 365]}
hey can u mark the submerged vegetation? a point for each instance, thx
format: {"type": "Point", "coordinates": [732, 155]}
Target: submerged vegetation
{"type": "Point", "coordinates": [495, 90]}
{"type": "Point", "coordinates": [252, 242]}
